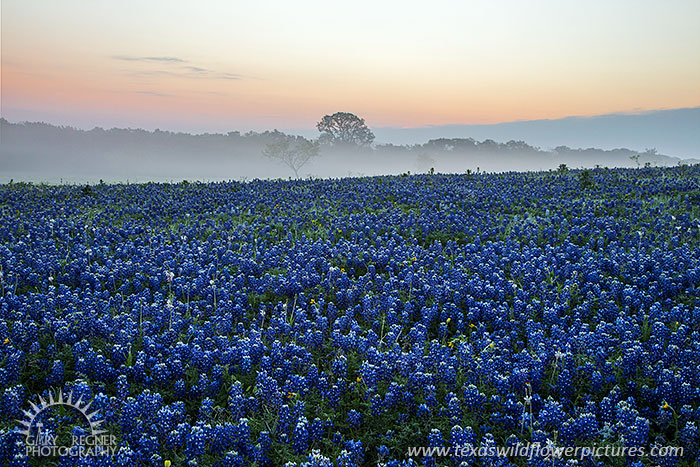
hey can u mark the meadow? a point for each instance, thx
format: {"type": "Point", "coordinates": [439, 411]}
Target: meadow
{"type": "Point", "coordinates": [340, 322]}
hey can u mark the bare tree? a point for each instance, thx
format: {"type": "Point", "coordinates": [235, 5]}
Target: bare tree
{"type": "Point", "coordinates": [636, 158]}
{"type": "Point", "coordinates": [345, 128]}
{"type": "Point", "coordinates": [293, 151]}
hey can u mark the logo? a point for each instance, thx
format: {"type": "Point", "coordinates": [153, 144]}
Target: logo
{"type": "Point", "coordinates": [42, 439]}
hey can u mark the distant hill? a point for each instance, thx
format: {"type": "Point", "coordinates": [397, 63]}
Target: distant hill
{"type": "Point", "coordinates": [675, 132]}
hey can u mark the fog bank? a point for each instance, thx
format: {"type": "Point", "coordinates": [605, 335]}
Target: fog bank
{"type": "Point", "coordinates": [40, 152]}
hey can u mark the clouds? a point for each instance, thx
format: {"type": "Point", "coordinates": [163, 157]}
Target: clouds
{"type": "Point", "coordinates": [175, 67]}
{"type": "Point", "coordinates": [199, 72]}
{"type": "Point", "coordinates": [148, 59]}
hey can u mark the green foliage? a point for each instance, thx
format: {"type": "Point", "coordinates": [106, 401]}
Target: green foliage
{"type": "Point", "coordinates": [345, 128]}
{"type": "Point", "coordinates": [586, 180]}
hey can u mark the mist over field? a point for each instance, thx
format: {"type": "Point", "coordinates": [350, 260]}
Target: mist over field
{"type": "Point", "coordinates": [40, 152]}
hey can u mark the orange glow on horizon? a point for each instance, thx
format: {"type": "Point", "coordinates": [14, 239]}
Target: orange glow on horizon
{"type": "Point", "coordinates": [481, 64]}
{"type": "Point", "coordinates": [281, 105]}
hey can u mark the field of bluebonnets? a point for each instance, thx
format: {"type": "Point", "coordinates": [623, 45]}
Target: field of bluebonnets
{"type": "Point", "coordinates": [340, 322]}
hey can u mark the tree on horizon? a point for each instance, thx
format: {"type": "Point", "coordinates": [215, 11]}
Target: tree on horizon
{"type": "Point", "coordinates": [293, 151]}
{"type": "Point", "coordinates": [344, 128]}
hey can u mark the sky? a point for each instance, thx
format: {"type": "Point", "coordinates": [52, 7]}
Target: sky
{"type": "Point", "coordinates": [254, 65]}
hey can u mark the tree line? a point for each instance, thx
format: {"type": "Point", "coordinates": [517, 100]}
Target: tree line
{"type": "Point", "coordinates": [344, 139]}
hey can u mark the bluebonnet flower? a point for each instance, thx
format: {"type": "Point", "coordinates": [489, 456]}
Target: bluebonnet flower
{"type": "Point", "coordinates": [196, 442]}
{"type": "Point", "coordinates": [383, 451]}
{"type": "Point", "coordinates": [206, 409]}
{"type": "Point", "coordinates": [447, 304]}
{"type": "Point", "coordinates": [473, 399]}
{"type": "Point", "coordinates": [551, 415]}
{"type": "Point", "coordinates": [423, 411]}
{"type": "Point", "coordinates": [354, 418]}
{"type": "Point", "coordinates": [12, 401]}
{"type": "Point", "coordinates": [353, 454]}
{"type": "Point", "coordinates": [689, 437]}
{"type": "Point", "coordinates": [316, 429]}
{"type": "Point", "coordinates": [300, 439]}
{"type": "Point", "coordinates": [262, 448]}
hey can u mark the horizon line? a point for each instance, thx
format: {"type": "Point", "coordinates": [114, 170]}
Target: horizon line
{"type": "Point", "coordinates": [287, 129]}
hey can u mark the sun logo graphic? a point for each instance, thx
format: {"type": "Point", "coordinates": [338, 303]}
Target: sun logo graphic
{"type": "Point", "coordinates": [40, 440]}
